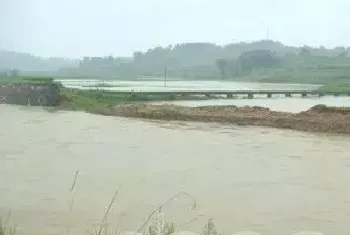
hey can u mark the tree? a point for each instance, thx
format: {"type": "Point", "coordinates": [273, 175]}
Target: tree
{"type": "Point", "coordinates": [14, 72]}
{"type": "Point", "coordinates": [232, 67]}
{"type": "Point", "coordinates": [221, 64]}
{"type": "Point", "coordinates": [305, 51]}
{"type": "Point", "coordinates": [256, 59]}
{"type": "Point", "coordinates": [343, 54]}
{"type": "Point", "coordinates": [137, 56]}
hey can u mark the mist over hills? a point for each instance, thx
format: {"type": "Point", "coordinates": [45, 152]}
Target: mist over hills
{"type": "Point", "coordinates": [186, 60]}
{"type": "Point", "coordinates": [29, 62]}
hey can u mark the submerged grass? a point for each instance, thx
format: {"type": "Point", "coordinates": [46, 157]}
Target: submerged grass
{"type": "Point", "coordinates": [154, 224]}
{"type": "Point", "coordinates": [5, 229]}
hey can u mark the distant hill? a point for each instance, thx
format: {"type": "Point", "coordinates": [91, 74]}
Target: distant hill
{"type": "Point", "coordinates": [200, 60]}
{"type": "Point", "coordinates": [30, 63]}
{"type": "Point", "coordinates": [263, 60]}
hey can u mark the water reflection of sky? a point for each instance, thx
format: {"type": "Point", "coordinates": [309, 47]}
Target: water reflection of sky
{"type": "Point", "coordinates": [181, 85]}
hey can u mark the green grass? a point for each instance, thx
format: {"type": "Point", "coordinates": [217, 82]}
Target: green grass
{"type": "Point", "coordinates": [4, 228]}
{"type": "Point", "coordinates": [26, 79]}
{"type": "Point", "coordinates": [94, 100]}
{"type": "Point", "coordinates": [98, 101]}
{"type": "Point", "coordinates": [303, 75]}
{"type": "Point", "coordinates": [345, 87]}
{"type": "Point", "coordinates": [313, 70]}
{"type": "Point", "coordinates": [74, 99]}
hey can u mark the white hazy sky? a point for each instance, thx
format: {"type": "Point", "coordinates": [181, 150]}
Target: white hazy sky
{"type": "Point", "coordinates": [76, 28]}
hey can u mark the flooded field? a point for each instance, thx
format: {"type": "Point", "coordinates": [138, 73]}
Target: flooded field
{"type": "Point", "coordinates": [268, 180]}
{"type": "Point", "coordinates": [173, 85]}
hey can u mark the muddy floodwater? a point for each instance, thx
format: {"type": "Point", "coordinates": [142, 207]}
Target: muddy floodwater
{"type": "Point", "coordinates": [246, 178]}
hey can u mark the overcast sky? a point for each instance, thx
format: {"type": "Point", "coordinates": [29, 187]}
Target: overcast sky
{"type": "Point", "coordinates": [76, 28]}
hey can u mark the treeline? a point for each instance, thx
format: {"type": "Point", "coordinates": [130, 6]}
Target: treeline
{"type": "Point", "coordinates": [268, 60]}
{"type": "Point", "coordinates": [260, 60]}
{"type": "Point", "coordinates": [210, 61]}
{"type": "Point", "coordinates": [246, 62]}
{"type": "Point", "coordinates": [25, 62]}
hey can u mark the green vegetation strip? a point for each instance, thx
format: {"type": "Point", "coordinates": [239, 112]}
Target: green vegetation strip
{"type": "Point", "coordinates": [96, 101]}
{"type": "Point", "coordinates": [26, 80]}
{"type": "Point", "coordinates": [335, 88]}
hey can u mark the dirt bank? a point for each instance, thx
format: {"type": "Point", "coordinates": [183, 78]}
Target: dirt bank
{"type": "Point", "coordinates": [319, 118]}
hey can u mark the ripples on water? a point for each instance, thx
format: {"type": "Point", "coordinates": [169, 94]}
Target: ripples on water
{"type": "Point", "coordinates": [247, 178]}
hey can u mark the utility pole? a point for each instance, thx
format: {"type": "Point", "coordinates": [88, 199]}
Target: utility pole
{"type": "Point", "coordinates": [165, 75]}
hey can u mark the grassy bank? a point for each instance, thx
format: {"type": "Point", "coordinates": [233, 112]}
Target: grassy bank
{"type": "Point", "coordinates": [98, 101]}
{"type": "Point", "coordinates": [93, 100]}
{"type": "Point", "coordinates": [345, 87]}
{"type": "Point", "coordinates": [26, 79]}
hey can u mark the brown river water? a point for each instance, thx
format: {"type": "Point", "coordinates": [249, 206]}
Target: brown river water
{"type": "Point", "coordinates": [246, 178]}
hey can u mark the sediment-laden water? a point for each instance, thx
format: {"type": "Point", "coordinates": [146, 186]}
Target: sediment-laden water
{"type": "Point", "coordinates": [246, 178]}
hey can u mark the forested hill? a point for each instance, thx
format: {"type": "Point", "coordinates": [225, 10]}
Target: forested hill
{"type": "Point", "coordinates": [196, 54]}
{"type": "Point", "coordinates": [261, 60]}
{"type": "Point", "coordinates": [264, 60]}
{"type": "Point", "coordinates": [26, 62]}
